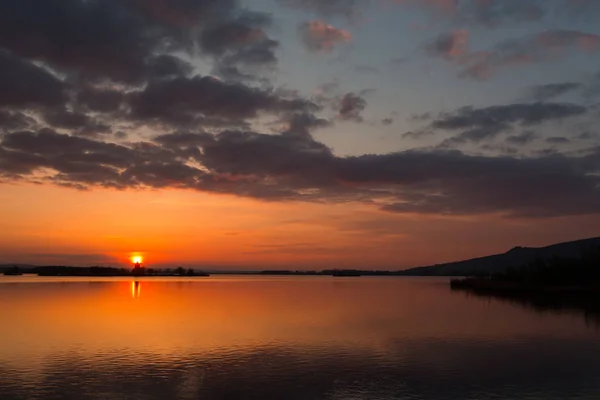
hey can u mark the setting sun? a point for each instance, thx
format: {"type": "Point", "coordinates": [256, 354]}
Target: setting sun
{"type": "Point", "coordinates": [136, 259]}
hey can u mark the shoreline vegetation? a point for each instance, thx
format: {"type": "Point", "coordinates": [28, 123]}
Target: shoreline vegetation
{"type": "Point", "coordinates": [66, 271]}
{"type": "Point", "coordinates": [559, 284]}
{"type": "Point", "coordinates": [99, 271]}
{"type": "Point", "coordinates": [557, 275]}
{"type": "Point", "coordinates": [50, 271]}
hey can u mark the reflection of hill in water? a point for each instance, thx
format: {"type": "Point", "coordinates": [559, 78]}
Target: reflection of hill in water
{"type": "Point", "coordinates": [584, 304]}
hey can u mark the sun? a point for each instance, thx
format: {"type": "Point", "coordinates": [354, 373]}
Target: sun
{"type": "Point", "coordinates": [136, 259]}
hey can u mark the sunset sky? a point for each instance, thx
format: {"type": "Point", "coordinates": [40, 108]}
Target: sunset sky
{"type": "Point", "coordinates": [296, 133]}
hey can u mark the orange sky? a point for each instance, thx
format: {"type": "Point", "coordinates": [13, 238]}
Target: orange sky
{"type": "Point", "coordinates": [180, 227]}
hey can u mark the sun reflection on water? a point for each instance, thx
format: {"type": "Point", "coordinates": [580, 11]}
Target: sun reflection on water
{"type": "Point", "coordinates": [136, 289]}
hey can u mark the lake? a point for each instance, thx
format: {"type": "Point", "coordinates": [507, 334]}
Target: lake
{"type": "Point", "coordinates": [253, 337]}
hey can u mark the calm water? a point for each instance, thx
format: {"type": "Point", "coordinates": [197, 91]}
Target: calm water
{"type": "Point", "coordinates": [285, 338]}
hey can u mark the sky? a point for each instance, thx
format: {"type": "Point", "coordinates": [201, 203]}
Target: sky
{"type": "Point", "coordinates": [302, 134]}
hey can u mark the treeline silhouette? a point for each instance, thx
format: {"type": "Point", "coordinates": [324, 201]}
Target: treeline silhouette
{"type": "Point", "coordinates": [558, 271]}
{"type": "Point", "coordinates": [558, 284]}
{"type": "Point", "coordinates": [102, 271]}
{"type": "Point", "coordinates": [567, 273]}
{"type": "Point", "coordinates": [334, 272]}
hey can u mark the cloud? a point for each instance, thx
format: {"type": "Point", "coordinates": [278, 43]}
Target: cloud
{"type": "Point", "coordinates": [552, 90]}
{"type": "Point", "coordinates": [327, 8]}
{"type": "Point", "coordinates": [24, 84]}
{"type": "Point", "coordinates": [350, 107]}
{"type": "Point", "coordinates": [240, 46]}
{"type": "Point", "coordinates": [477, 124]}
{"type": "Point", "coordinates": [288, 167]}
{"type": "Point", "coordinates": [302, 124]}
{"type": "Point", "coordinates": [320, 37]}
{"type": "Point", "coordinates": [558, 140]}
{"type": "Point", "coordinates": [488, 13]}
{"type": "Point", "coordinates": [97, 39]}
{"type": "Point", "coordinates": [185, 13]}
{"type": "Point", "coordinates": [132, 41]}
{"type": "Point", "coordinates": [537, 48]}
{"type": "Point", "coordinates": [499, 116]}
{"type": "Point", "coordinates": [450, 45]}
{"type": "Point", "coordinates": [522, 138]}
{"type": "Point", "coordinates": [184, 139]}
{"type": "Point", "coordinates": [75, 121]}
{"type": "Point", "coordinates": [14, 120]}
{"type": "Point", "coordinates": [99, 99]}
{"type": "Point", "coordinates": [71, 70]}
{"type": "Point", "coordinates": [184, 101]}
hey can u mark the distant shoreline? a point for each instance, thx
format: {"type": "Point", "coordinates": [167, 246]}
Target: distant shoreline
{"type": "Point", "coordinates": [54, 271]}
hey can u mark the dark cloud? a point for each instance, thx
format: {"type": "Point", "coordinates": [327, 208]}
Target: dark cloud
{"type": "Point", "coordinates": [161, 174]}
{"type": "Point", "coordinates": [522, 138]}
{"type": "Point", "coordinates": [14, 120]}
{"type": "Point", "coordinates": [240, 46]}
{"type": "Point", "coordinates": [248, 62]}
{"type": "Point", "coordinates": [167, 66]}
{"type": "Point", "coordinates": [522, 113]}
{"type": "Point", "coordinates": [185, 139]}
{"type": "Point", "coordinates": [350, 107]}
{"type": "Point", "coordinates": [132, 41]}
{"type": "Point", "coordinates": [558, 140]}
{"type": "Point", "coordinates": [61, 118]}
{"type": "Point", "coordinates": [24, 84]}
{"type": "Point", "coordinates": [232, 34]}
{"type": "Point", "coordinates": [303, 124]}
{"type": "Point", "coordinates": [295, 157]}
{"type": "Point", "coordinates": [552, 90]}
{"type": "Point", "coordinates": [188, 100]}
{"type": "Point", "coordinates": [296, 167]}
{"type": "Point", "coordinates": [185, 13]}
{"type": "Point", "coordinates": [460, 184]}
{"type": "Point", "coordinates": [100, 100]}
{"type": "Point", "coordinates": [97, 39]}
{"type": "Point", "coordinates": [500, 149]}
{"type": "Point", "coordinates": [587, 135]}
{"type": "Point", "coordinates": [478, 124]}
{"type": "Point", "coordinates": [387, 121]}
{"type": "Point", "coordinates": [82, 162]}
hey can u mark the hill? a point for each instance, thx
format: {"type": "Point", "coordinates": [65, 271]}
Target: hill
{"type": "Point", "coordinates": [498, 263]}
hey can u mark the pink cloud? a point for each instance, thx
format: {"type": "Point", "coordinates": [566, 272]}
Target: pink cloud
{"type": "Point", "coordinates": [539, 48]}
{"type": "Point", "coordinates": [321, 37]}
